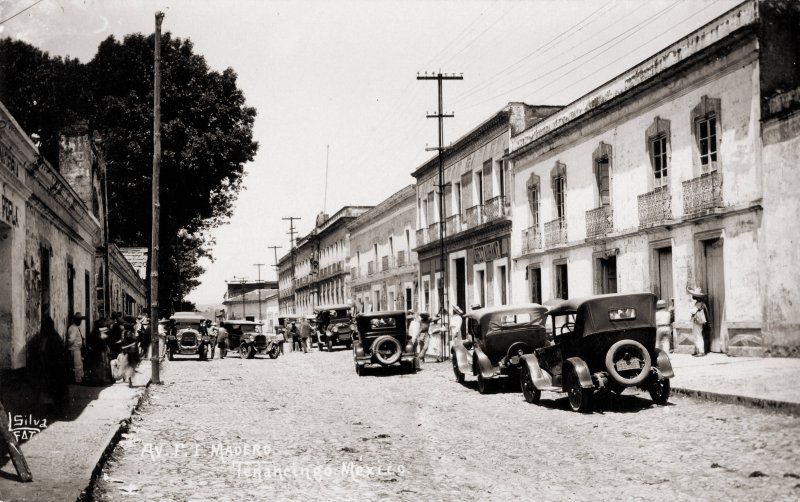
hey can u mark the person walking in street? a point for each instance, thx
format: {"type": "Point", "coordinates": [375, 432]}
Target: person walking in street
{"type": "Point", "coordinates": [145, 337]}
{"type": "Point", "coordinates": [305, 334]}
{"type": "Point", "coordinates": [222, 341]}
{"type": "Point", "coordinates": [128, 358]}
{"type": "Point", "coordinates": [422, 338]}
{"type": "Point", "coordinates": [295, 340]}
{"type": "Point", "coordinates": [76, 345]}
{"type": "Point", "coordinates": [699, 313]}
{"type": "Point", "coordinates": [115, 335]}
{"type": "Point", "coordinates": [663, 326]}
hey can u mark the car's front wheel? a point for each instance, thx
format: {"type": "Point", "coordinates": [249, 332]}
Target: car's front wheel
{"type": "Point", "coordinates": [529, 390]}
{"type": "Point", "coordinates": [579, 398]}
{"type": "Point", "coordinates": [274, 352]}
{"type": "Point", "coordinates": [659, 391]}
{"type": "Point", "coordinates": [484, 385]}
{"type": "Point", "coordinates": [457, 372]}
{"type": "Point", "coordinates": [242, 352]}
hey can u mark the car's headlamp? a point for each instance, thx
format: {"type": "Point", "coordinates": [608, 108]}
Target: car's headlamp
{"type": "Point", "coordinates": [335, 329]}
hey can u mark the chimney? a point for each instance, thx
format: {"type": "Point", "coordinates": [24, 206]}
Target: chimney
{"type": "Point", "coordinates": [75, 161]}
{"type": "Point", "coordinates": [321, 219]}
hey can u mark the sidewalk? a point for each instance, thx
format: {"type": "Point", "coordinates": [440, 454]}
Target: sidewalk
{"type": "Point", "coordinates": [63, 456]}
{"type": "Point", "coordinates": [752, 381]}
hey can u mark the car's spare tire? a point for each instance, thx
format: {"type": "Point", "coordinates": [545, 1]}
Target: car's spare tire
{"type": "Point", "coordinates": [628, 362]}
{"type": "Point", "coordinates": [386, 350]}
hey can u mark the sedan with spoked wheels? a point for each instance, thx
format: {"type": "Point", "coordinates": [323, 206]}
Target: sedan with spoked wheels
{"type": "Point", "coordinates": [602, 344]}
{"type": "Point", "coordinates": [382, 340]}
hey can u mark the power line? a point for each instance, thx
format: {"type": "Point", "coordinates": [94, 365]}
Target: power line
{"type": "Point", "coordinates": [23, 10]}
{"type": "Point", "coordinates": [480, 34]}
{"type": "Point", "coordinates": [449, 44]}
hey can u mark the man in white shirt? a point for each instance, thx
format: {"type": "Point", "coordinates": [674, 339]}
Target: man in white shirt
{"type": "Point", "coordinates": [75, 345]}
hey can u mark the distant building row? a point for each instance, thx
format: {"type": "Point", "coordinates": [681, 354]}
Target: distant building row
{"type": "Point", "coordinates": [680, 172]}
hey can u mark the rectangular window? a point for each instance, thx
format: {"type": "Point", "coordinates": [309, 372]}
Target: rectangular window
{"type": "Point", "coordinates": [659, 160]}
{"type": "Point", "coordinates": [481, 285]}
{"type": "Point", "coordinates": [501, 285]}
{"type": "Point", "coordinates": [409, 298]}
{"type": "Point", "coordinates": [533, 201]}
{"type": "Point", "coordinates": [480, 200]}
{"type": "Point", "coordinates": [535, 279]}
{"type": "Point", "coordinates": [562, 289]}
{"type": "Point", "coordinates": [559, 196]}
{"type": "Point", "coordinates": [431, 209]}
{"type": "Point", "coordinates": [707, 137]}
{"type": "Point", "coordinates": [501, 178]}
{"type": "Point", "coordinates": [457, 204]}
{"type": "Point", "coordinates": [603, 181]}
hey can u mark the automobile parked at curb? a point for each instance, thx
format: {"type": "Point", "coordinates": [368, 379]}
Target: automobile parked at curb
{"type": "Point", "coordinates": [382, 339]}
{"type": "Point", "coordinates": [496, 339]}
{"type": "Point", "coordinates": [602, 343]}
{"type": "Point", "coordinates": [334, 326]}
{"type": "Point", "coordinates": [248, 339]}
{"type": "Point", "coordinates": [187, 335]}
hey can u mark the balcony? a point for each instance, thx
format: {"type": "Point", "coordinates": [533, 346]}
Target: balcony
{"type": "Point", "coordinates": [401, 258]}
{"type": "Point", "coordinates": [655, 208]}
{"type": "Point", "coordinates": [495, 208]}
{"type": "Point", "coordinates": [433, 232]}
{"type": "Point", "coordinates": [555, 232]}
{"type": "Point", "coordinates": [531, 240]}
{"type": "Point", "coordinates": [473, 216]}
{"type": "Point", "coordinates": [370, 268]}
{"type": "Point", "coordinates": [422, 237]}
{"type": "Point", "coordinates": [702, 195]}
{"type": "Point", "coordinates": [599, 222]}
{"type": "Point", "coordinates": [453, 224]}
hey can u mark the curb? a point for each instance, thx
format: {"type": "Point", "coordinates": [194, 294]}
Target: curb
{"type": "Point", "coordinates": [111, 443]}
{"type": "Point", "coordinates": [750, 402]}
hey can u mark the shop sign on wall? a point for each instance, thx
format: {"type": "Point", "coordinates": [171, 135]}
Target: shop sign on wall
{"type": "Point", "coordinates": [487, 252]}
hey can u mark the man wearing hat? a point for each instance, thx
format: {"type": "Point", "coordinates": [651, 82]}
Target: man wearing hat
{"type": "Point", "coordinates": [663, 326]}
{"type": "Point", "coordinates": [76, 343]}
{"type": "Point", "coordinates": [699, 313]}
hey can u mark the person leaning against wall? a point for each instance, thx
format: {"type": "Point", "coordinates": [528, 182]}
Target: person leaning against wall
{"type": "Point", "coordinates": [76, 345]}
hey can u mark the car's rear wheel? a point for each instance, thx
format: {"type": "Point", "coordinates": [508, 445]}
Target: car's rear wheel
{"type": "Point", "coordinates": [529, 390]}
{"type": "Point", "coordinates": [484, 385]}
{"type": "Point", "coordinates": [660, 390]}
{"type": "Point", "coordinates": [580, 399]}
{"type": "Point", "coordinates": [457, 372]}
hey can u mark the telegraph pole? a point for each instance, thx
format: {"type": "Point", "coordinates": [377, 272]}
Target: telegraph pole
{"type": "Point", "coordinates": [440, 77]}
{"type": "Point", "coordinates": [278, 275]}
{"type": "Point", "coordinates": [275, 249]}
{"type": "Point", "coordinates": [155, 377]}
{"type": "Point", "coordinates": [259, 265]}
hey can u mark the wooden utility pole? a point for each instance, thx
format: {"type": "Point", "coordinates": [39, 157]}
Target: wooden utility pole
{"type": "Point", "coordinates": [440, 77]}
{"type": "Point", "coordinates": [154, 359]}
{"type": "Point", "coordinates": [259, 265]}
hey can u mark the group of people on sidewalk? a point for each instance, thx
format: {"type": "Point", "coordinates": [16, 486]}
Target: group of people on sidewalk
{"type": "Point", "coordinates": [109, 351]}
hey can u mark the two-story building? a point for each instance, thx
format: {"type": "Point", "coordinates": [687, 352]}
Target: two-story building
{"type": "Point", "coordinates": [658, 180]}
{"type": "Point", "coordinates": [382, 261]}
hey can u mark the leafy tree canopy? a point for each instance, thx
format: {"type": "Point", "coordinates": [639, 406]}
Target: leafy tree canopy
{"type": "Point", "coordinates": [206, 138]}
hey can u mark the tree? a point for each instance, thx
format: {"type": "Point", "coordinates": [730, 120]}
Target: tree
{"type": "Point", "coordinates": [207, 137]}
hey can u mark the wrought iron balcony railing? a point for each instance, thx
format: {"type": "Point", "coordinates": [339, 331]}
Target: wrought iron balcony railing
{"type": "Point", "coordinates": [473, 216]}
{"type": "Point", "coordinates": [655, 207]}
{"type": "Point", "coordinates": [495, 208]}
{"type": "Point", "coordinates": [555, 232]}
{"type": "Point", "coordinates": [599, 222]}
{"type": "Point", "coordinates": [702, 195]}
{"type": "Point", "coordinates": [531, 240]}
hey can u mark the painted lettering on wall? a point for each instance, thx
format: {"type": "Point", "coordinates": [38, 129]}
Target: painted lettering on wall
{"type": "Point", "coordinates": [9, 212]}
{"type": "Point", "coordinates": [9, 161]}
{"type": "Point", "coordinates": [487, 252]}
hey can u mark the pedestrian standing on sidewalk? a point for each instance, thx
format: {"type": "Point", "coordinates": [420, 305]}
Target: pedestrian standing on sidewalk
{"type": "Point", "coordinates": [76, 345]}
{"type": "Point", "coordinates": [115, 334]}
{"type": "Point", "coordinates": [663, 326]}
{"type": "Point", "coordinates": [699, 313]}
{"type": "Point", "coordinates": [50, 361]}
{"type": "Point", "coordinates": [128, 358]}
{"type": "Point", "coordinates": [295, 340]}
{"type": "Point", "coordinates": [305, 334]}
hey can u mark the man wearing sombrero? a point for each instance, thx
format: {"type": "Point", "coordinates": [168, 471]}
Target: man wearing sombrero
{"type": "Point", "coordinates": [699, 313]}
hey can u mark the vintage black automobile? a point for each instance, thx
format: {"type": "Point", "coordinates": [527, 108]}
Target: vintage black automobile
{"type": "Point", "coordinates": [496, 338]}
{"type": "Point", "coordinates": [188, 335]}
{"type": "Point", "coordinates": [601, 343]}
{"type": "Point", "coordinates": [382, 339]}
{"type": "Point", "coordinates": [339, 330]}
{"type": "Point", "coordinates": [248, 339]}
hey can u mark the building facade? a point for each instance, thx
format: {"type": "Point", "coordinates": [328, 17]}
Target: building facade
{"type": "Point", "coordinates": [321, 262]}
{"type": "Point", "coordinates": [258, 305]}
{"type": "Point", "coordinates": [48, 242]}
{"type": "Point", "coordinates": [286, 284]}
{"type": "Point", "coordinates": [127, 291]}
{"type": "Point", "coordinates": [664, 179]}
{"type": "Point", "coordinates": [382, 261]}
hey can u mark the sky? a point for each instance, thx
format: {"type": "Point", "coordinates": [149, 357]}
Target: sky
{"type": "Point", "coordinates": [334, 83]}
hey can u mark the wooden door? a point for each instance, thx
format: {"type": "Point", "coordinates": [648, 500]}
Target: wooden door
{"type": "Point", "coordinates": [715, 282]}
{"type": "Point", "coordinates": [665, 274]}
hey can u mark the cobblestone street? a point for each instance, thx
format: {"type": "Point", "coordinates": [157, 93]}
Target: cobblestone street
{"type": "Point", "coordinates": [307, 427]}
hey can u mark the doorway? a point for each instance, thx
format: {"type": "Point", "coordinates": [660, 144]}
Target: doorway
{"type": "Point", "coordinates": [715, 284]}
{"type": "Point", "coordinates": [664, 274]}
{"type": "Point", "coordinates": [535, 279]}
